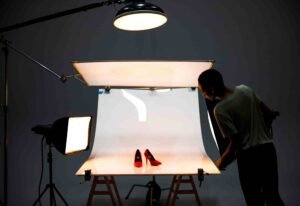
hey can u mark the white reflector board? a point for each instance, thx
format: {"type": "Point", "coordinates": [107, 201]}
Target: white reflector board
{"type": "Point", "coordinates": [171, 74]}
{"type": "Point", "coordinates": [166, 123]}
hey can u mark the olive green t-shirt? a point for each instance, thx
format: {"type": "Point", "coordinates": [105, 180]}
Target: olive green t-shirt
{"type": "Point", "coordinates": [240, 114]}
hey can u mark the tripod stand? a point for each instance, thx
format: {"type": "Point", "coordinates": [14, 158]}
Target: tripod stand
{"type": "Point", "coordinates": [63, 78]}
{"type": "Point", "coordinates": [50, 186]}
{"type": "Point", "coordinates": [153, 194]}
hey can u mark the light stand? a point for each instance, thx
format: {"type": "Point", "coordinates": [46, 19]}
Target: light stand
{"type": "Point", "coordinates": [61, 134]}
{"type": "Point", "coordinates": [153, 194]}
{"type": "Point", "coordinates": [50, 186]}
{"type": "Point", "coordinates": [5, 107]}
{"type": "Point", "coordinates": [62, 78]}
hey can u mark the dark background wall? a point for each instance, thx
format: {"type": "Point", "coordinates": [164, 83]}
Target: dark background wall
{"type": "Point", "coordinates": [253, 42]}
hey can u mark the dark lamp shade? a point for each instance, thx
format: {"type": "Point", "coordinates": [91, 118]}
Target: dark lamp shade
{"type": "Point", "coordinates": [140, 16]}
{"type": "Point", "coordinates": [71, 134]}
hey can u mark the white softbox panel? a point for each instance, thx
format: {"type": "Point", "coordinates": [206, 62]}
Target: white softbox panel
{"type": "Point", "coordinates": [142, 74]}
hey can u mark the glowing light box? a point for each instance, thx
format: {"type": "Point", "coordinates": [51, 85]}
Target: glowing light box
{"type": "Point", "coordinates": [165, 122]}
{"type": "Point", "coordinates": [171, 74]}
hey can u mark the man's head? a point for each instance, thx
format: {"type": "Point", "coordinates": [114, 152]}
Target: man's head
{"type": "Point", "coordinates": [211, 84]}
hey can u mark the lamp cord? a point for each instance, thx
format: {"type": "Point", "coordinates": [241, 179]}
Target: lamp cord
{"type": "Point", "coordinates": [42, 170]}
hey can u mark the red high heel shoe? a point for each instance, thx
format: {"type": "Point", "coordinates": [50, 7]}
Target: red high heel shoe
{"type": "Point", "coordinates": [150, 157]}
{"type": "Point", "coordinates": [138, 159]}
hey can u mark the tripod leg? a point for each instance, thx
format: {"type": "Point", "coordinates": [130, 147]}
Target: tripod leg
{"type": "Point", "coordinates": [39, 198]}
{"type": "Point", "coordinates": [129, 193]}
{"type": "Point", "coordinates": [131, 189]}
{"type": "Point", "coordinates": [60, 195]}
{"type": "Point", "coordinates": [52, 196]}
{"type": "Point", "coordinates": [151, 195]}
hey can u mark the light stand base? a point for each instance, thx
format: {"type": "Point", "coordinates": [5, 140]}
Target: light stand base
{"type": "Point", "coordinates": [153, 194]}
{"type": "Point", "coordinates": [50, 186]}
{"type": "Point", "coordinates": [52, 189]}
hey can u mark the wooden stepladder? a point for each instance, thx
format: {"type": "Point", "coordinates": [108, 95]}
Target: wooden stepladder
{"type": "Point", "coordinates": [112, 190]}
{"type": "Point", "coordinates": [175, 189]}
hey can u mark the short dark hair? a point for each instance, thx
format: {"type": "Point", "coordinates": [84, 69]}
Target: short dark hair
{"type": "Point", "coordinates": [212, 79]}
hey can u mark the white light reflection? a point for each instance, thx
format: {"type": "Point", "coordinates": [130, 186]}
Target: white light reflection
{"type": "Point", "coordinates": [138, 103]}
{"type": "Point", "coordinates": [212, 130]}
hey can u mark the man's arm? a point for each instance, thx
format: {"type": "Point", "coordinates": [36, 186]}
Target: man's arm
{"type": "Point", "coordinates": [229, 131]}
{"type": "Point", "coordinates": [230, 153]}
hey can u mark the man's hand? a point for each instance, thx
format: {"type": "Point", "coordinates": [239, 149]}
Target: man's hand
{"type": "Point", "coordinates": [218, 163]}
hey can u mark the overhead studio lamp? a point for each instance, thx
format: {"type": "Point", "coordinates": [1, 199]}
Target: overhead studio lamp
{"type": "Point", "coordinates": [68, 135]}
{"type": "Point", "coordinates": [137, 15]}
{"type": "Point", "coordinates": [140, 16]}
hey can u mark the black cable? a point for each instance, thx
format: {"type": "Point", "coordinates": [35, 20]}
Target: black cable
{"type": "Point", "coordinates": [42, 171]}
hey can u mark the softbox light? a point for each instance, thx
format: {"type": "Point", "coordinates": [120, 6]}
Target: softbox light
{"type": "Point", "coordinates": [68, 134]}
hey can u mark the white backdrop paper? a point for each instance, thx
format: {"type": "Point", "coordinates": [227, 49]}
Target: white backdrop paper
{"type": "Point", "coordinates": [166, 123]}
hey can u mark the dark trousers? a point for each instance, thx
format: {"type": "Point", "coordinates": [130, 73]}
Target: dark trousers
{"type": "Point", "coordinates": [259, 175]}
